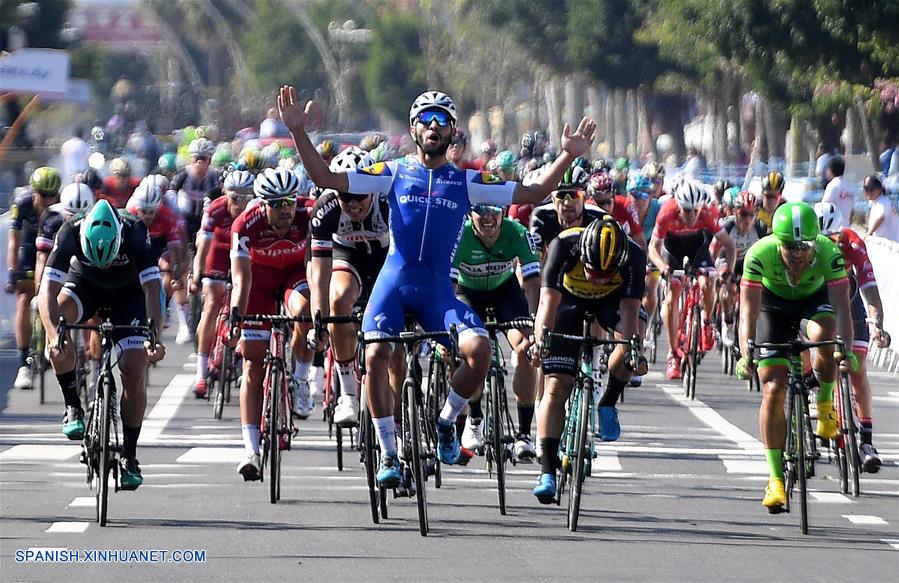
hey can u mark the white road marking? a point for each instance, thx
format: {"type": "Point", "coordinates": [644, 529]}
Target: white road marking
{"type": "Point", "coordinates": [39, 452]}
{"type": "Point", "coordinates": [830, 497]}
{"type": "Point", "coordinates": [83, 502]}
{"type": "Point", "coordinates": [743, 466]}
{"type": "Point", "coordinates": [68, 527]}
{"type": "Point", "coordinates": [892, 542]}
{"type": "Point", "coordinates": [864, 519]}
{"type": "Point", "coordinates": [165, 408]}
{"type": "Point", "coordinates": [714, 420]}
{"type": "Point", "coordinates": [212, 455]}
{"type": "Point", "coordinates": [606, 460]}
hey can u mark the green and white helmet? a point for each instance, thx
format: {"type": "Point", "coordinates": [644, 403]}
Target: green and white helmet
{"type": "Point", "coordinates": [101, 234]}
{"type": "Point", "coordinates": [795, 221]}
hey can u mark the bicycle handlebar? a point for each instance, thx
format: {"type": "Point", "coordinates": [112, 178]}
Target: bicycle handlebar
{"type": "Point", "coordinates": [795, 346]}
{"type": "Point", "coordinates": [516, 323]}
{"type": "Point", "coordinates": [105, 328]}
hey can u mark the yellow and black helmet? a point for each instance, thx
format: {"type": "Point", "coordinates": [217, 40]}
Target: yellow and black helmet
{"type": "Point", "coordinates": [773, 182]}
{"type": "Point", "coordinates": [604, 245]}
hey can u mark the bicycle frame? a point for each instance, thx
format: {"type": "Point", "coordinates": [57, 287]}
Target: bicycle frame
{"type": "Point", "coordinates": [689, 326]}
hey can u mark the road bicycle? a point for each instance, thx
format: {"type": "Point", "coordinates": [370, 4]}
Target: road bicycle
{"type": "Point", "coordinates": [100, 448]}
{"type": "Point", "coordinates": [224, 364]}
{"type": "Point", "coordinates": [577, 445]}
{"type": "Point", "coordinates": [690, 326]}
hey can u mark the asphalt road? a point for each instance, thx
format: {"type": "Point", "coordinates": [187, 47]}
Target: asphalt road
{"type": "Point", "coordinates": [677, 498]}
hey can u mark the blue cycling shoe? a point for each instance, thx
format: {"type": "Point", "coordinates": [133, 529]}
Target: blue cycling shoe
{"type": "Point", "coordinates": [545, 490]}
{"type": "Point", "coordinates": [389, 471]}
{"type": "Point", "coordinates": [447, 443]}
{"type": "Point", "coordinates": [609, 429]}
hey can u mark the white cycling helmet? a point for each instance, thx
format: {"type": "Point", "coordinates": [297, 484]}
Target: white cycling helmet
{"type": "Point", "coordinates": [201, 147]}
{"type": "Point", "coordinates": [238, 180]}
{"type": "Point", "coordinates": [160, 180]}
{"type": "Point", "coordinates": [830, 219]}
{"type": "Point", "coordinates": [147, 195]}
{"type": "Point", "coordinates": [76, 198]}
{"type": "Point", "coordinates": [432, 100]}
{"type": "Point", "coordinates": [276, 183]}
{"type": "Point", "coordinates": [350, 159]}
{"type": "Point", "coordinates": [690, 194]}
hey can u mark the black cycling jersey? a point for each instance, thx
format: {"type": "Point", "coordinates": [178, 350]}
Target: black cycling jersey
{"type": "Point", "coordinates": [25, 219]}
{"type": "Point", "coordinates": [135, 260]}
{"type": "Point", "coordinates": [331, 227]}
{"type": "Point", "coordinates": [52, 220]}
{"type": "Point", "coordinates": [545, 222]}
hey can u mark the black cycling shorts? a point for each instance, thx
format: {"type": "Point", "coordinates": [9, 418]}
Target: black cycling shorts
{"type": "Point", "coordinates": [364, 266]}
{"type": "Point", "coordinates": [696, 249]}
{"type": "Point", "coordinates": [122, 305]}
{"type": "Point", "coordinates": [507, 300]}
{"type": "Point", "coordinates": [861, 333]}
{"type": "Point", "coordinates": [779, 318]}
{"type": "Point", "coordinates": [562, 357]}
{"type": "Point", "coordinates": [26, 261]}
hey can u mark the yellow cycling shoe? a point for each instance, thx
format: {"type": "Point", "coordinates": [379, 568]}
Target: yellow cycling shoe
{"type": "Point", "coordinates": [775, 496]}
{"type": "Point", "coordinates": [827, 421]}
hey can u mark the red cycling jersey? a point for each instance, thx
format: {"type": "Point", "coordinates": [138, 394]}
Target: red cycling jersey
{"type": "Point", "coordinates": [252, 237]}
{"type": "Point", "coordinates": [669, 223]}
{"type": "Point", "coordinates": [216, 227]}
{"type": "Point", "coordinates": [625, 212]}
{"type": "Point", "coordinates": [856, 255]}
{"type": "Point", "coordinates": [118, 197]}
{"type": "Point", "coordinates": [166, 225]}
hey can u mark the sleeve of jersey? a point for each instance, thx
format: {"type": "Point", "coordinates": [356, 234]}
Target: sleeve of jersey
{"type": "Point", "coordinates": [527, 253]}
{"type": "Point", "coordinates": [554, 265]}
{"type": "Point", "coordinates": [861, 263]}
{"type": "Point", "coordinates": [325, 221]}
{"type": "Point", "coordinates": [635, 277]}
{"type": "Point", "coordinates": [484, 187]}
{"type": "Point", "coordinates": [139, 245]}
{"type": "Point", "coordinates": [371, 179]}
{"type": "Point", "coordinates": [634, 219]}
{"type": "Point", "coordinates": [15, 212]}
{"type": "Point", "coordinates": [662, 219]}
{"type": "Point", "coordinates": [753, 270]}
{"type": "Point", "coordinates": [239, 239]}
{"type": "Point", "coordinates": [207, 225]}
{"type": "Point", "coordinates": [63, 250]}
{"type": "Point", "coordinates": [836, 265]}
{"type": "Point", "coordinates": [45, 233]}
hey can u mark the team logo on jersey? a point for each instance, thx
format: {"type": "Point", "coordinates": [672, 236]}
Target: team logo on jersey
{"type": "Point", "coordinates": [487, 178]}
{"type": "Point", "coordinates": [378, 169]}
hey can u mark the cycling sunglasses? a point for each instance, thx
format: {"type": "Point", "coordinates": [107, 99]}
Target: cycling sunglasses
{"type": "Point", "coordinates": [486, 209]}
{"type": "Point", "coordinates": [282, 202]}
{"type": "Point", "coordinates": [798, 246]}
{"type": "Point", "coordinates": [595, 274]}
{"type": "Point", "coordinates": [349, 197]}
{"type": "Point", "coordinates": [431, 115]}
{"type": "Point", "coordinates": [604, 202]}
{"type": "Point", "coordinates": [568, 195]}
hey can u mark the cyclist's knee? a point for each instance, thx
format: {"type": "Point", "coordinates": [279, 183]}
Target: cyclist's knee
{"type": "Point", "coordinates": [477, 352]}
{"type": "Point", "coordinates": [377, 355]}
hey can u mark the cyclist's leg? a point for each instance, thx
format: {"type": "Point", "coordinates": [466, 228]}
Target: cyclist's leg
{"type": "Point", "coordinates": [24, 294]}
{"type": "Point", "coordinates": [861, 388]}
{"type": "Point", "coordinates": [703, 259]}
{"type": "Point", "coordinates": [344, 291]}
{"type": "Point", "coordinates": [213, 294]}
{"type": "Point", "coordinates": [513, 304]}
{"type": "Point", "coordinates": [671, 303]}
{"type": "Point", "coordinates": [296, 300]}
{"type": "Point", "coordinates": [822, 326]}
{"type": "Point", "coordinates": [71, 308]}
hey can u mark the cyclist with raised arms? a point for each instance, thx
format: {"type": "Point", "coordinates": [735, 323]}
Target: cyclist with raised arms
{"type": "Point", "coordinates": [268, 256]}
{"type": "Point", "coordinates": [683, 228]}
{"type": "Point", "coordinates": [596, 269]}
{"type": "Point", "coordinates": [793, 275]}
{"type": "Point", "coordinates": [745, 229]}
{"type": "Point", "coordinates": [350, 239]}
{"type": "Point", "coordinates": [102, 263]}
{"type": "Point", "coordinates": [484, 273]}
{"type": "Point", "coordinates": [862, 285]}
{"type": "Point", "coordinates": [21, 257]}
{"type": "Point", "coordinates": [212, 262]}
{"type": "Point", "coordinates": [428, 201]}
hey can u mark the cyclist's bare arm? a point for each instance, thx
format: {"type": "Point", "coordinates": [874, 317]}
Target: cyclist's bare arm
{"type": "Point", "coordinates": [295, 118]}
{"type": "Point", "coordinates": [629, 310]}
{"type": "Point", "coordinates": [655, 253]}
{"type": "Point", "coordinates": [41, 261]}
{"type": "Point", "coordinates": [875, 312]}
{"type": "Point", "coordinates": [573, 145]}
{"type": "Point", "coordinates": [48, 306]}
{"type": "Point", "coordinates": [319, 284]}
{"type": "Point", "coordinates": [531, 288]}
{"type": "Point", "coordinates": [203, 246]}
{"type": "Point", "coordinates": [152, 293]}
{"type": "Point", "coordinates": [838, 296]}
{"type": "Point", "coordinates": [730, 250]}
{"type": "Point", "coordinates": [750, 302]}
{"type": "Point", "coordinates": [12, 249]}
{"type": "Point", "coordinates": [546, 311]}
{"type": "Point", "coordinates": [241, 279]}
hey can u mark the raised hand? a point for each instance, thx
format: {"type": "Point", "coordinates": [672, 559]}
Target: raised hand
{"type": "Point", "coordinates": [578, 143]}
{"type": "Point", "coordinates": [289, 109]}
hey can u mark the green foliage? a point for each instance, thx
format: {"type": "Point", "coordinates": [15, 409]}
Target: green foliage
{"type": "Point", "coordinates": [395, 70]}
{"type": "Point", "coordinates": [539, 26]}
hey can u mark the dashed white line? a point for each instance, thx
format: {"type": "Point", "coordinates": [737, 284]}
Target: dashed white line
{"type": "Point", "coordinates": [165, 407]}
{"type": "Point", "coordinates": [68, 527]}
{"type": "Point", "coordinates": [830, 498]}
{"type": "Point", "coordinates": [864, 519]}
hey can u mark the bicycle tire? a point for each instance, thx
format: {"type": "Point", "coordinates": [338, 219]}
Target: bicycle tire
{"type": "Point", "coordinates": [368, 460]}
{"type": "Point", "coordinates": [106, 455]}
{"type": "Point", "coordinates": [580, 460]}
{"type": "Point", "coordinates": [435, 397]}
{"type": "Point", "coordinates": [800, 406]}
{"type": "Point", "coordinates": [694, 351]}
{"type": "Point", "coordinates": [789, 455]}
{"type": "Point", "coordinates": [850, 436]}
{"type": "Point", "coordinates": [495, 384]}
{"type": "Point", "coordinates": [273, 421]}
{"type": "Point", "coordinates": [218, 401]}
{"type": "Point", "coordinates": [418, 471]}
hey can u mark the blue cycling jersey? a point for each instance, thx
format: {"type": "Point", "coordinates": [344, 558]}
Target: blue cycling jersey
{"type": "Point", "coordinates": [649, 221]}
{"type": "Point", "coordinates": [428, 208]}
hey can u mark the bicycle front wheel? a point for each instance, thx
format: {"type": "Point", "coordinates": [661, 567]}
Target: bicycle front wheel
{"type": "Point", "coordinates": [369, 456]}
{"type": "Point", "coordinates": [800, 406]}
{"type": "Point", "coordinates": [850, 435]}
{"type": "Point", "coordinates": [412, 399]}
{"type": "Point", "coordinates": [579, 469]}
{"type": "Point", "coordinates": [107, 457]}
{"type": "Point", "coordinates": [694, 352]}
{"type": "Point", "coordinates": [495, 387]}
{"type": "Point", "coordinates": [273, 420]}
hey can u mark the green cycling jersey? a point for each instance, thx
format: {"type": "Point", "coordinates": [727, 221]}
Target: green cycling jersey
{"type": "Point", "coordinates": [764, 267]}
{"type": "Point", "coordinates": [479, 268]}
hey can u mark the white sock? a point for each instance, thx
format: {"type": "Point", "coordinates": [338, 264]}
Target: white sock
{"type": "Point", "coordinates": [386, 431]}
{"type": "Point", "coordinates": [183, 314]}
{"type": "Point", "coordinates": [250, 438]}
{"type": "Point", "coordinates": [348, 382]}
{"type": "Point", "coordinates": [453, 406]}
{"type": "Point", "coordinates": [301, 370]}
{"type": "Point", "coordinates": [202, 366]}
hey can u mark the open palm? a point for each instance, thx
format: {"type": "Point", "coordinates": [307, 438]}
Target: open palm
{"type": "Point", "coordinates": [578, 143]}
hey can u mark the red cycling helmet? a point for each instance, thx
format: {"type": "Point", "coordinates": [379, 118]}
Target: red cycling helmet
{"type": "Point", "coordinates": [746, 201]}
{"type": "Point", "coordinates": [599, 182]}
